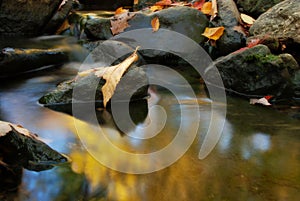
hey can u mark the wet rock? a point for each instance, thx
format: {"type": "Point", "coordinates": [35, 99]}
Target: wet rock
{"type": "Point", "coordinates": [105, 4]}
{"type": "Point", "coordinates": [26, 17]}
{"type": "Point", "coordinates": [255, 71]}
{"type": "Point", "coordinates": [144, 4]}
{"type": "Point", "coordinates": [229, 17]}
{"type": "Point", "coordinates": [16, 61]}
{"type": "Point", "coordinates": [281, 21]}
{"type": "Point", "coordinates": [59, 17]}
{"type": "Point", "coordinates": [185, 20]}
{"type": "Point", "coordinates": [21, 148]}
{"type": "Point", "coordinates": [255, 8]}
{"type": "Point", "coordinates": [62, 97]}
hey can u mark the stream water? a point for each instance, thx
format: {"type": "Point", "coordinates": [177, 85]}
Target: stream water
{"type": "Point", "coordinates": [257, 157]}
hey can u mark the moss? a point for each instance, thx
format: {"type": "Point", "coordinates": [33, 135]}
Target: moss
{"type": "Point", "coordinates": [262, 58]}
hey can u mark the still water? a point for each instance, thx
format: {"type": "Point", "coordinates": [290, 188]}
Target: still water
{"type": "Point", "coordinates": [256, 158]}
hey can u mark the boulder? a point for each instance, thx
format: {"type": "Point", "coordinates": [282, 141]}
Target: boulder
{"type": "Point", "coordinates": [185, 20]}
{"type": "Point", "coordinates": [22, 148]}
{"type": "Point", "coordinates": [281, 21]}
{"type": "Point", "coordinates": [255, 72]}
{"type": "Point", "coordinates": [255, 8]}
{"type": "Point", "coordinates": [228, 17]}
{"type": "Point", "coordinates": [14, 61]}
{"type": "Point", "coordinates": [26, 17]}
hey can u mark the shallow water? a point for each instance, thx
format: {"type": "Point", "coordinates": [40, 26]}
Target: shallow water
{"type": "Point", "coordinates": [257, 157]}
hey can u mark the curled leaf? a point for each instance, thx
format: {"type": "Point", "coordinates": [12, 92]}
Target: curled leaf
{"type": "Point", "coordinates": [207, 8]}
{"type": "Point", "coordinates": [121, 10]}
{"type": "Point", "coordinates": [155, 24]}
{"type": "Point", "coordinates": [156, 8]}
{"type": "Point", "coordinates": [213, 33]}
{"type": "Point", "coordinates": [247, 19]}
{"type": "Point", "coordinates": [214, 10]}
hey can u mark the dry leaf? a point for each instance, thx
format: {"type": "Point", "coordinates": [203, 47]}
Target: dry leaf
{"type": "Point", "coordinates": [121, 10]}
{"type": "Point", "coordinates": [247, 19]}
{"type": "Point", "coordinates": [112, 75]}
{"type": "Point", "coordinates": [198, 4]}
{"type": "Point", "coordinates": [119, 22]}
{"type": "Point", "coordinates": [213, 33]}
{"type": "Point", "coordinates": [214, 10]}
{"type": "Point", "coordinates": [163, 3]}
{"type": "Point", "coordinates": [63, 27]}
{"type": "Point", "coordinates": [156, 8]}
{"type": "Point", "coordinates": [261, 101]}
{"type": "Point", "coordinates": [135, 2]}
{"type": "Point", "coordinates": [207, 8]}
{"type": "Point", "coordinates": [155, 24]}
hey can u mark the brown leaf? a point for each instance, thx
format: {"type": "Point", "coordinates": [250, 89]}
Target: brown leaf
{"type": "Point", "coordinates": [163, 3]}
{"type": "Point", "coordinates": [214, 10]}
{"type": "Point", "coordinates": [240, 29]}
{"type": "Point", "coordinates": [247, 19]}
{"type": "Point", "coordinates": [120, 22]}
{"type": "Point", "coordinates": [198, 4]}
{"type": "Point", "coordinates": [155, 24]}
{"type": "Point", "coordinates": [63, 27]}
{"type": "Point", "coordinates": [213, 33]}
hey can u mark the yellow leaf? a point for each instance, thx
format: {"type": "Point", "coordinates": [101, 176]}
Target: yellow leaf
{"type": "Point", "coordinates": [156, 8]}
{"type": "Point", "coordinates": [155, 24]}
{"type": "Point", "coordinates": [213, 33]}
{"type": "Point", "coordinates": [119, 22]}
{"type": "Point", "coordinates": [206, 8]}
{"type": "Point", "coordinates": [247, 19]}
{"type": "Point", "coordinates": [121, 10]}
{"type": "Point", "coordinates": [214, 10]}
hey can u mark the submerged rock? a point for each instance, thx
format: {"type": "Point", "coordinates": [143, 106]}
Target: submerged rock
{"type": "Point", "coordinates": [14, 61]}
{"type": "Point", "coordinates": [256, 72]}
{"type": "Point", "coordinates": [21, 148]}
{"type": "Point", "coordinates": [26, 17]}
{"type": "Point", "coordinates": [187, 21]}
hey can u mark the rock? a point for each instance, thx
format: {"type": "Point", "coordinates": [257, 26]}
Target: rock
{"type": "Point", "coordinates": [255, 71]}
{"type": "Point", "coordinates": [16, 17]}
{"type": "Point", "coordinates": [229, 17]}
{"type": "Point", "coordinates": [185, 20]}
{"type": "Point", "coordinates": [21, 148]}
{"type": "Point", "coordinates": [255, 8]}
{"type": "Point", "coordinates": [62, 97]}
{"type": "Point", "coordinates": [17, 61]}
{"type": "Point", "coordinates": [144, 4]}
{"type": "Point", "coordinates": [105, 4]}
{"type": "Point", "coordinates": [281, 21]}
{"type": "Point", "coordinates": [59, 17]}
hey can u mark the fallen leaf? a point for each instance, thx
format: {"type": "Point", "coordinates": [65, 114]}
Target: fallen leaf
{"type": "Point", "coordinates": [120, 22]}
{"type": "Point", "coordinates": [213, 33]}
{"type": "Point", "coordinates": [198, 4]}
{"type": "Point", "coordinates": [247, 19]}
{"type": "Point", "coordinates": [63, 27]}
{"type": "Point", "coordinates": [214, 10]}
{"type": "Point", "coordinates": [163, 3]}
{"type": "Point", "coordinates": [155, 24]}
{"type": "Point", "coordinates": [112, 75]}
{"type": "Point", "coordinates": [121, 10]}
{"type": "Point", "coordinates": [180, 3]}
{"type": "Point", "coordinates": [156, 8]}
{"type": "Point", "coordinates": [240, 29]}
{"type": "Point", "coordinates": [261, 101]}
{"type": "Point", "coordinates": [135, 2]}
{"type": "Point", "coordinates": [62, 4]}
{"type": "Point", "coordinates": [207, 8]}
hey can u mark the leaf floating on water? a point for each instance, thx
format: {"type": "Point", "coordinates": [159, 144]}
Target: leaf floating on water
{"type": "Point", "coordinates": [213, 33]}
{"type": "Point", "coordinates": [120, 22]}
{"type": "Point", "coordinates": [155, 24]}
{"type": "Point", "coordinates": [247, 19]}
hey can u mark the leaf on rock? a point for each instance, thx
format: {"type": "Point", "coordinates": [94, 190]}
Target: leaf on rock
{"type": "Point", "coordinates": [155, 24]}
{"type": "Point", "coordinates": [163, 3]}
{"type": "Point", "coordinates": [198, 4]}
{"type": "Point", "coordinates": [214, 10]}
{"type": "Point", "coordinates": [121, 10]}
{"type": "Point", "coordinates": [135, 2]}
{"type": "Point", "coordinates": [207, 8]}
{"type": "Point", "coordinates": [156, 8]}
{"type": "Point", "coordinates": [261, 101]}
{"type": "Point", "coordinates": [247, 19]}
{"type": "Point", "coordinates": [213, 33]}
{"type": "Point", "coordinates": [120, 22]}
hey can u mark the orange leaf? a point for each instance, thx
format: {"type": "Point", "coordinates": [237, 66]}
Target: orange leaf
{"type": "Point", "coordinates": [213, 33]}
{"type": "Point", "coordinates": [163, 3]}
{"type": "Point", "coordinates": [214, 10]}
{"type": "Point", "coordinates": [120, 11]}
{"type": "Point", "coordinates": [198, 4]}
{"type": "Point", "coordinates": [156, 8]}
{"type": "Point", "coordinates": [155, 24]}
{"type": "Point", "coordinates": [207, 8]}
